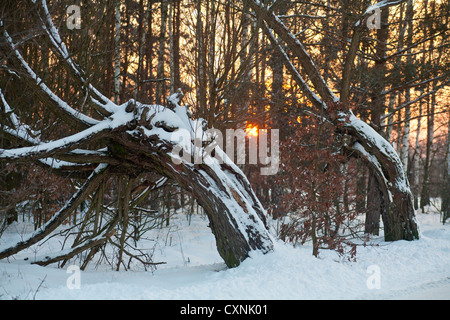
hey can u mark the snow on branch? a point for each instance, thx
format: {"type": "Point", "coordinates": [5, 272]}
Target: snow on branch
{"type": "Point", "coordinates": [50, 148]}
{"type": "Point", "coordinates": [371, 139]}
{"type": "Point", "coordinates": [31, 138]}
{"type": "Point", "coordinates": [44, 150]}
{"type": "Point", "coordinates": [60, 104]}
{"type": "Point", "coordinates": [375, 164]}
{"type": "Point", "coordinates": [105, 104]}
{"type": "Point", "coordinates": [20, 130]}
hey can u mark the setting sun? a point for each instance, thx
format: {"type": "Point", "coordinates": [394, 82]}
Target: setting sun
{"type": "Point", "coordinates": [251, 130]}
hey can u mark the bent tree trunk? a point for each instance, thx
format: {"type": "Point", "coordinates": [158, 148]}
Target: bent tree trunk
{"type": "Point", "coordinates": [142, 138]}
{"type": "Point", "coordinates": [358, 137]}
{"type": "Point", "coordinates": [236, 217]}
{"type": "Point", "coordinates": [131, 139]}
{"type": "Point", "coordinates": [398, 217]}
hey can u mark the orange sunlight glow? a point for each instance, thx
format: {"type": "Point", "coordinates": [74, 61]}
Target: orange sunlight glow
{"type": "Point", "coordinates": [251, 130]}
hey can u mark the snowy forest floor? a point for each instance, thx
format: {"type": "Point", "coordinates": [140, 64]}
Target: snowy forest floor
{"type": "Point", "coordinates": [194, 270]}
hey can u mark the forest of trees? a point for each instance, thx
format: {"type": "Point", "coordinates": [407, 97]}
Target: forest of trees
{"type": "Point", "coordinates": [310, 69]}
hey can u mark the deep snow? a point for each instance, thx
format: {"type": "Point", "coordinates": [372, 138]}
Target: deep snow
{"type": "Point", "coordinates": [194, 270]}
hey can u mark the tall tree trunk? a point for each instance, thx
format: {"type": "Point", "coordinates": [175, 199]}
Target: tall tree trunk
{"type": "Point", "coordinates": [201, 82]}
{"type": "Point", "coordinates": [149, 53]}
{"type": "Point", "coordinates": [445, 194]}
{"type": "Point", "coordinates": [117, 52]}
{"type": "Point", "coordinates": [175, 46]}
{"type": "Point", "coordinates": [415, 161]}
{"type": "Point", "coordinates": [142, 32]}
{"type": "Point", "coordinates": [425, 194]}
{"type": "Point", "coordinates": [408, 76]}
{"type": "Point", "coordinates": [361, 186]}
{"type": "Point", "coordinates": [390, 119]}
{"type": "Point", "coordinates": [212, 23]}
{"type": "Point", "coordinates": [162, 41]}
{"type": "Point", "coordinates": [126, 55]}
{"type": "Point", "coordinates": [375, 203]}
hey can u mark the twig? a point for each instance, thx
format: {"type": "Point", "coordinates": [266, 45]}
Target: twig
{"type": "Point", "coordinates": [40, 285]}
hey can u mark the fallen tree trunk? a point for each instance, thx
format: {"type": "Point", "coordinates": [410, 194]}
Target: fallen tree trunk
{"type": "Point", "coordinates": [131, 139]}
{"type": "Point", "coordinates": [236, 217]}
{"type": "Point", "coordinates": [144, 141]}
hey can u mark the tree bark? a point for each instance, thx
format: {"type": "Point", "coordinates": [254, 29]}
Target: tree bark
{"type": "Point", "coordinates": [375, 206]}
{"type": "Point", "coordinates": [362, 140]}
{"type": "Point", "coordinates": [117, 52]}
{"type": "Point", "coordinates": [408, 76]}
{"type": "Point", "coordinates": [134, 138]}
{"type": "Point", "coordinates": [162, 40]}
{"type": "Point", "coordinates": [236, 216]}
{"type": "Point", "coordinates": [375, 203]}
{"type": "Point", "coordinates": [445, 195]}
{"type": "Point", "coordinates": [398, 217]}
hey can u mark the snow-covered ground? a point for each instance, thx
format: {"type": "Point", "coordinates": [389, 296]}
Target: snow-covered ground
{"type": "Point", "coordinates": [194, 270]}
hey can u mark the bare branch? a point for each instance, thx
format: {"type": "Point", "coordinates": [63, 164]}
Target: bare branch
{"type": "Point", "coordinates": [104, 105]}
{"type": "Point", "coordinates": [415, 100]}
{"type": "Point", "coordinates": [354, 45]}
{"type": "Point", "coordinates": [295, 74]}
{"type": "Point", "coordinates": [297, 48]}
{"type": "Point", "coordinates": [91, 184]}
{"type": "Point", "coordinates": [399, 52]}
{"type": "Point", "coordinates": [67, 254]}
{"type": "Point", "coordinates": [58, 104]}
{"type": "Point", "coordinates": [63, 145]}
{"type": "Point", "coordinates": [20, 130]}
{"type": "Point", "coordinates": [413, 84]}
